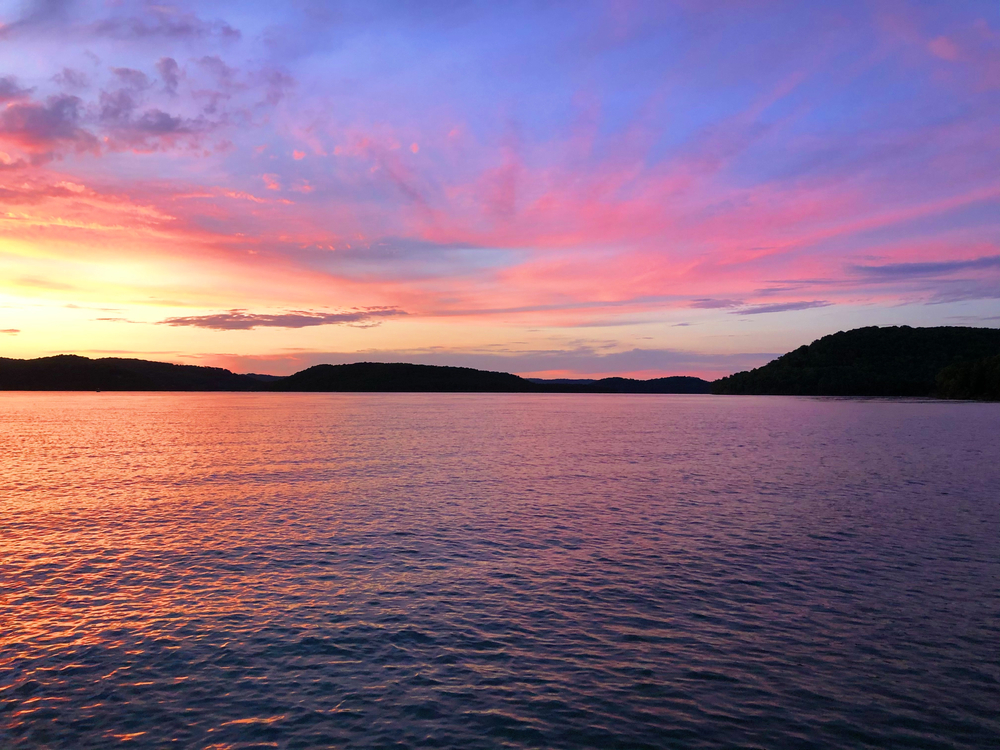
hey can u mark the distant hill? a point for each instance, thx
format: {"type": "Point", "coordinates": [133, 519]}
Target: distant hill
{"type": "Point", "coordinates": [891, 361]}
{"type": "Point", "coordinates": [674, 384]}
{"type": "Point", "coordinates": [68, 372]}
{"type": "Point", "coordinates": [375, 376]}
{"type": "Point", "coordinates": [263, 378]}
{"type": "Point", "coordinates": [400, 377]}
{"type": "Point", "coordinates": [949, 362]}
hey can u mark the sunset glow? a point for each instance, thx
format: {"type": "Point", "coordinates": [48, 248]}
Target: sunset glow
{"type": "Point", "coordinates": [635, 188]}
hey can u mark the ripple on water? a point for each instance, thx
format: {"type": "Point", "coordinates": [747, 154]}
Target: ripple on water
{"type": "Point", "coordinates": [479, 571]}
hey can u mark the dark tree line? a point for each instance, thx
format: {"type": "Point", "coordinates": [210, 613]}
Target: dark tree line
{"type": "Point", "coordinates": [72, 373]}
{"type": "Point", "coordinates": [949, 362]}
{"type": "Point", "coordinates": [979, 379]}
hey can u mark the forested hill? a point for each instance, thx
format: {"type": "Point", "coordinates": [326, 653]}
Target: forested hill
{"type": "Point", "coordinates": [400, 377]}
{"type": "Point", "coordinates": [951, 362]}
{"type": "Point", "coordinates": [672, 384]}
{"type": "Point", "coordinates": [68, 372]}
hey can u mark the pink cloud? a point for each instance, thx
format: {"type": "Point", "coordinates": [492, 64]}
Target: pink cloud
{"type": "Point", "coordinates": [44, 128]}
{"type": "Point", "coordinates": [944, 48]}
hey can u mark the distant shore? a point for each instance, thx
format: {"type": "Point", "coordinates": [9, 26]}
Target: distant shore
{"type": "Point", "coordinates": [69, 372]}
{"type": "Point", "coordinates": [898, 361]}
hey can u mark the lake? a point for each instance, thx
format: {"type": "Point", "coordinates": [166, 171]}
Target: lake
{"type": "Point", "coordinates": [496, 570]}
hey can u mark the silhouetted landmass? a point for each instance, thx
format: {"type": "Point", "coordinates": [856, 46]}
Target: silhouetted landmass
{"type": "Point", "coordinates": [68, 372]}
{"type": "Point", "coordinates": [947, 362]}
{"type": "Point", "coordinates": [400, 377]}
{"type": "Point", "coordinates": [673, 384]}
{"type": "Point", "coordinates": [950, 362]}
{"type": "Point", "coordinates": [979, 379]}
{"type": "Point", "coordinates": [263, 378]}
{"type": "Point", "coordinates": [389, 377]}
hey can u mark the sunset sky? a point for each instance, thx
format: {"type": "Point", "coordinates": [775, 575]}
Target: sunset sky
{"type": "Point", "coordinates": [545, 188]}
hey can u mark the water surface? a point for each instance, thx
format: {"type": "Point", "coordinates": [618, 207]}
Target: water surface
{"type": "Point", "coordinates": [481, 571]}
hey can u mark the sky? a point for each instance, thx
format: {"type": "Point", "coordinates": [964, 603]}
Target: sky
{"type": "Point", "coordinates": [554, 189]}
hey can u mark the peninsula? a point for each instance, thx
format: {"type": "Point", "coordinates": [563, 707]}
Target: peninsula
{"type": "Point", "coordinates": [944, 362]}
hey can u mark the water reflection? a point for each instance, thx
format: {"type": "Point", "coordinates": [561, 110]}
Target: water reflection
{"type": "Point", "coordinates": [237, 570]}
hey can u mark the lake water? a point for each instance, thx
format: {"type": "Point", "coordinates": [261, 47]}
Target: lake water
{"type": "Point", "coordinates": [483, 571]}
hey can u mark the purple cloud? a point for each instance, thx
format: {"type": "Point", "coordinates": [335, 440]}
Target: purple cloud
{"type": "Point", "coordinates": [42, 128]}
{"type": "Point", "coordinates": [240, 320]}
{"type": "Point", "coordinates": [41, 14]}
{"type": "Point", "coordinates": [149, 131]}
{"type": "Point", "coordinates": [158, 122]}
{"type": "Point", "coordinates": [164, 22]}
{"type": "Point", "coordinates": [133, 79]}
{"type": "Point", "coordinates": [714, 304]}
{"type": "Point", "coordinates": [10, 90]}
{"type": "Point", "coordinates": [71, 77]}
{"type": "Point", "coordinates": [780, 307]}
{"type": "Point", "coordinates": [958, 290]}
{"type": "Point", "coordinates": [224, 74]}
{"type": "Point", "coordinates": [170, 72]}
{"type": "Point", "coordinates": [920, 270]}
{"type": "Point", "coordinates": [116, 106]}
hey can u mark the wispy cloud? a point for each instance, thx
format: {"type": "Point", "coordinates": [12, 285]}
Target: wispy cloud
{"type": "Point", "coordinates": [31, 281]}
{"type": "Point", "coordinates": [121, 22]}
{"type": "Point", "coordinates": [780, 307]}
{"type": "Point", "coordinates": [240, 320]}
{"type": "Point", "coordinates": [714, 304]}
{"type": "Point", "coordinates": [927, 269]}
{"type": "Point", "coordinates": [165, 22]}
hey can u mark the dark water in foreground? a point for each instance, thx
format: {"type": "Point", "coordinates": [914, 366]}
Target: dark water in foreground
{"type": "Point", "coordinates": [480, 571]}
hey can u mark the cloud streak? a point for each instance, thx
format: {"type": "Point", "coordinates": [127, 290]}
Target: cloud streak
{"type": "Point", "coordinates": [163, 22]}
{"type": "Point", "coordinates": [240, 320]}
{"type": "Point", "coordinates": [927, 269]}
{"type": "Point", "coordinates": [779, 307]}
